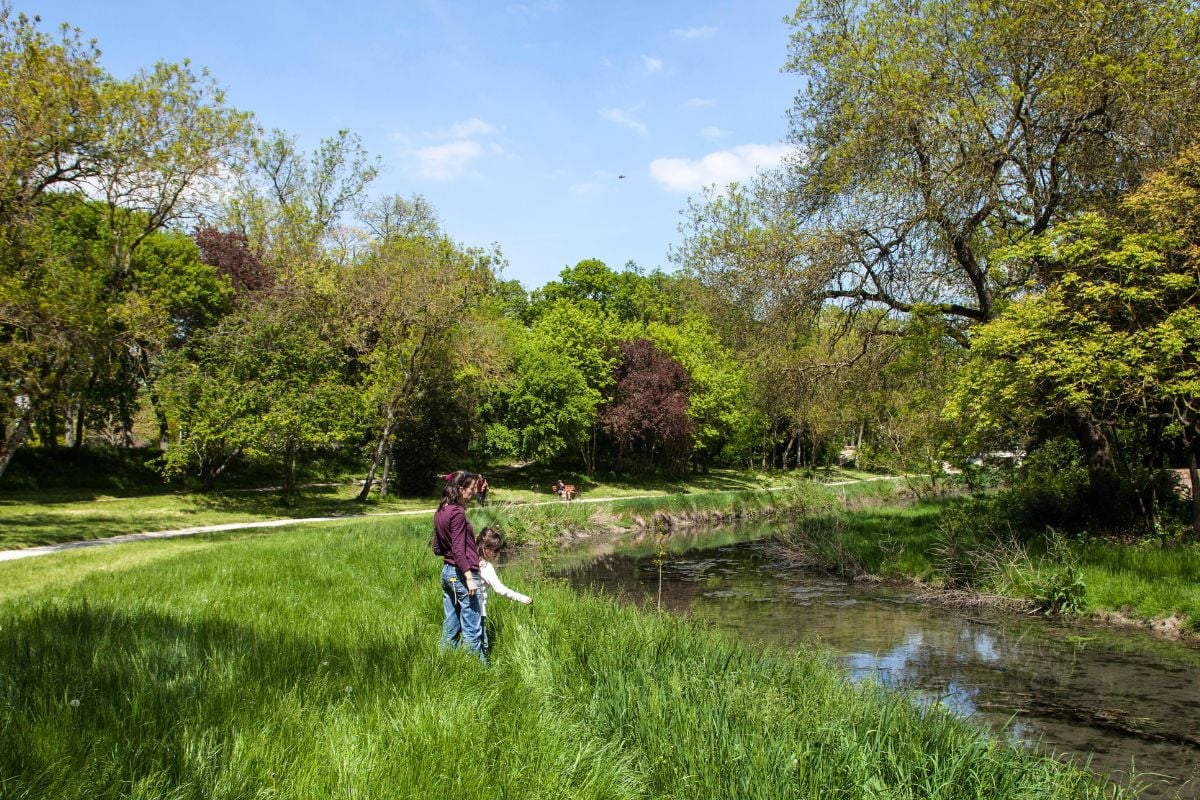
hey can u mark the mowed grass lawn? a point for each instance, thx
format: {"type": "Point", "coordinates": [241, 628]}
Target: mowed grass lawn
{"type": "Point", "coordinates": [305, 664]}
{"type": "Point", "coordinates": [29, 519]}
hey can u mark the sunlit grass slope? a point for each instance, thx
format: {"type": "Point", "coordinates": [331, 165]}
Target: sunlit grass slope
{"type": "Point", "coordinates": [1148, 580]}
{"type": "Point", "coordinates": [30, 518]}
{"type": "Point", "coordinates": [304, 664]}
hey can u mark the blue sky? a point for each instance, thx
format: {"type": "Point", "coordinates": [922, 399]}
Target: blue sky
{"type": "Point", "coordinates": [514, 119]}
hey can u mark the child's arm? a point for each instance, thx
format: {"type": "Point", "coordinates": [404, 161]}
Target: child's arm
{"type": "Point", "coordinates": [488, 572]}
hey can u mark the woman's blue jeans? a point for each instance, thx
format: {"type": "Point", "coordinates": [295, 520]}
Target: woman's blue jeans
{"type": "Point", "coordinates": [462, 625]}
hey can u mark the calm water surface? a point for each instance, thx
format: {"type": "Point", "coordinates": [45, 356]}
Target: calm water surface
{"type": "Point", "coordinates": [1120, 698]}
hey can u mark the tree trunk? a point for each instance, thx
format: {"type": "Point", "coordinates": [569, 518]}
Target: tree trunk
{"type": "Point", "coordinates": [15, 434]}
{"type": "Point", "coordinates": [69, 426]}
{"type": "Point", "coordinates": [289, 473]}
{"type": "Point", "coordinates": [380, 450]}
{"type": "Point", "coordinates": [1098, 454]}
{"type": "Point", "coordinates": [47, 429]}
{"type": "Point", "coordinates": [126, 424]}
{"type": "Point", "coordinates": [77, 444]}
{"type": "Point", "coordinates": [1194, 474]}
{"type": "Point", "coordinates": [210, 479]}
{"type": "Point", "coordinates": [788, 449]}
{"type": "Point", "coordinates": [160, 416]}
{"type": "Point", "coordinates": [591, 460]}
{"type": "Point", "coordinates": [387, 468]}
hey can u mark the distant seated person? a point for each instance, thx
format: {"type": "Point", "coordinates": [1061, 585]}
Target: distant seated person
{"type": "Point", "coordinates": [560, 487]}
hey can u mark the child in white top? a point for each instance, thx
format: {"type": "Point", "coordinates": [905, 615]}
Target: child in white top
{"type": "Point", "coordinates": [490, 543]}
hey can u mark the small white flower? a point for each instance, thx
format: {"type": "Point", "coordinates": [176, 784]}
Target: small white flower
{"type": "Point", "coordinates": [75, 702]}
{"type": "Point", "coordinates": [348, 688]}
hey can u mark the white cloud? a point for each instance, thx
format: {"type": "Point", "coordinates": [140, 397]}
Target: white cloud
{"type": "Point", "coordinates": [700, 102]}
{"type": "Point", "coordinates": [722, 167]}
{"type": "Point", "coordinates": [624, 118]}
{"type": "Point", "coordinates": [447, 153]}
{"type": "Point", "coordinates": [713, 132]}
{"type": "Point", "coordinates": [652, 64]}
{"type": "Point", "coordinates": [703, 32]}
{"type": "Point", "coordinates": [470, 127]}
{"type": "Point", "coordinates": [443, 162]}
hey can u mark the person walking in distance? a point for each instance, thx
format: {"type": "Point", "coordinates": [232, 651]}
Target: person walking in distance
{"type": "Point", "coordinates": [481, 491]}
{"type": "Point", "coordinates": [454, 541]}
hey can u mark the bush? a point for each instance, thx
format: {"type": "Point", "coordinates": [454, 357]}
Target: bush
{"type": "Point", "coordinates": [965, 530]}
{"type": "Point", "coordinates": [976, 548]}
{"type": "Point", "coordinates": [114, 469]}
{"type": "Point", "coordinates": [1055, 582]}
{"type": "Point", "coordinates": [1053, 489]}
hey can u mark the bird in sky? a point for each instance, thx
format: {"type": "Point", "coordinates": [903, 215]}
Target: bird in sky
{"type": "Point", "coordinates": [620, 177]}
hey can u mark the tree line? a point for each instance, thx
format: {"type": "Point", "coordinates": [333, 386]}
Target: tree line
{"type": "Point", "coordinates": [986, 241]}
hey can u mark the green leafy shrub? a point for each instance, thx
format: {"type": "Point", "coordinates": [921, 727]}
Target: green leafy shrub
{"type": "Point", "coordinates": [963, 530]}
{"type": "Point", "coordinates": [1058, 586]}
{"type": "Point", "coordinates": [113, 469]}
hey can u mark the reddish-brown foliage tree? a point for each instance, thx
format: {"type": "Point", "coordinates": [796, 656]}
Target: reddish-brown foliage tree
{"type": "Point", "coordinates": [649, 408]}
{"type": "Point", "coordinates": [230, 253]}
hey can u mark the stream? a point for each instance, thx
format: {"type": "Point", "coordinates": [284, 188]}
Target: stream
{"type": "Point", "coordinates": [1118, 698]}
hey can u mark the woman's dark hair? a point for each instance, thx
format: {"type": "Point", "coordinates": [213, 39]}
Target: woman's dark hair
{"type": "Point", "coordinates": [490, 539]}
{"type": "Point", "coordinates": [452, 491]}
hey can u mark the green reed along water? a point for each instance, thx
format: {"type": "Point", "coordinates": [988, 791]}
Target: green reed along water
{"type": "Point", "coordinates": [305, 664]}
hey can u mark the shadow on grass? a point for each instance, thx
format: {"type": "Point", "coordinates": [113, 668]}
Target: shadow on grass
{"type": "Point", "coordinates": [540, 479]}
{"type": "Point", "coordinates": [97, 697]}
{"type": "Point", "coordinates": [17, 497]}
{"type": "Point", "coordinates": [35, 530]}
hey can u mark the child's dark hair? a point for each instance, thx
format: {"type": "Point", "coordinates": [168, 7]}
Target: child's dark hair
{"type": "Point", "coordinates": [490, 540]}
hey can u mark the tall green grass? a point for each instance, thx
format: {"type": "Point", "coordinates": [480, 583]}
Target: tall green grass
{"type": "Point", "coordinates": [888, 541]}
{"type": "Point", "coordinates": [1153, 579]}
{"type": "Point", "coordinates": [305, 664]}
{"type": "Point", "coordinates": [958, 543]}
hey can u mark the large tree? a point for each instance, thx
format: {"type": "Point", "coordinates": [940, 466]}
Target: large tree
{"type": "Point", "coordinates": [719, 391]}
{"type": "Point", "coordinates": [930, 133]}
{"type": "Point", "coordinates": [649, 405]}
{"type": "Point", "coordinates": [141, 147]}
{"type": "Point", "coordinates": [1115, 336]}
{"type": "Point", "coordinates": [564, 368]}
{"type": "Point", "coordinates": [268, 381]}
{"type": "Point", "coordinates": [409, 306]}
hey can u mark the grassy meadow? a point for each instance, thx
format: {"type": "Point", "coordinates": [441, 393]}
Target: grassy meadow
{"type": "Point", "coordinates": [30, 517]}
{"type": "Point", "coordinates": [305, 664]}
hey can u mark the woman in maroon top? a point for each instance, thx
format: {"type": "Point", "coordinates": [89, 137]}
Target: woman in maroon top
{"type": "Point", "coordinates": [454, 541]}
